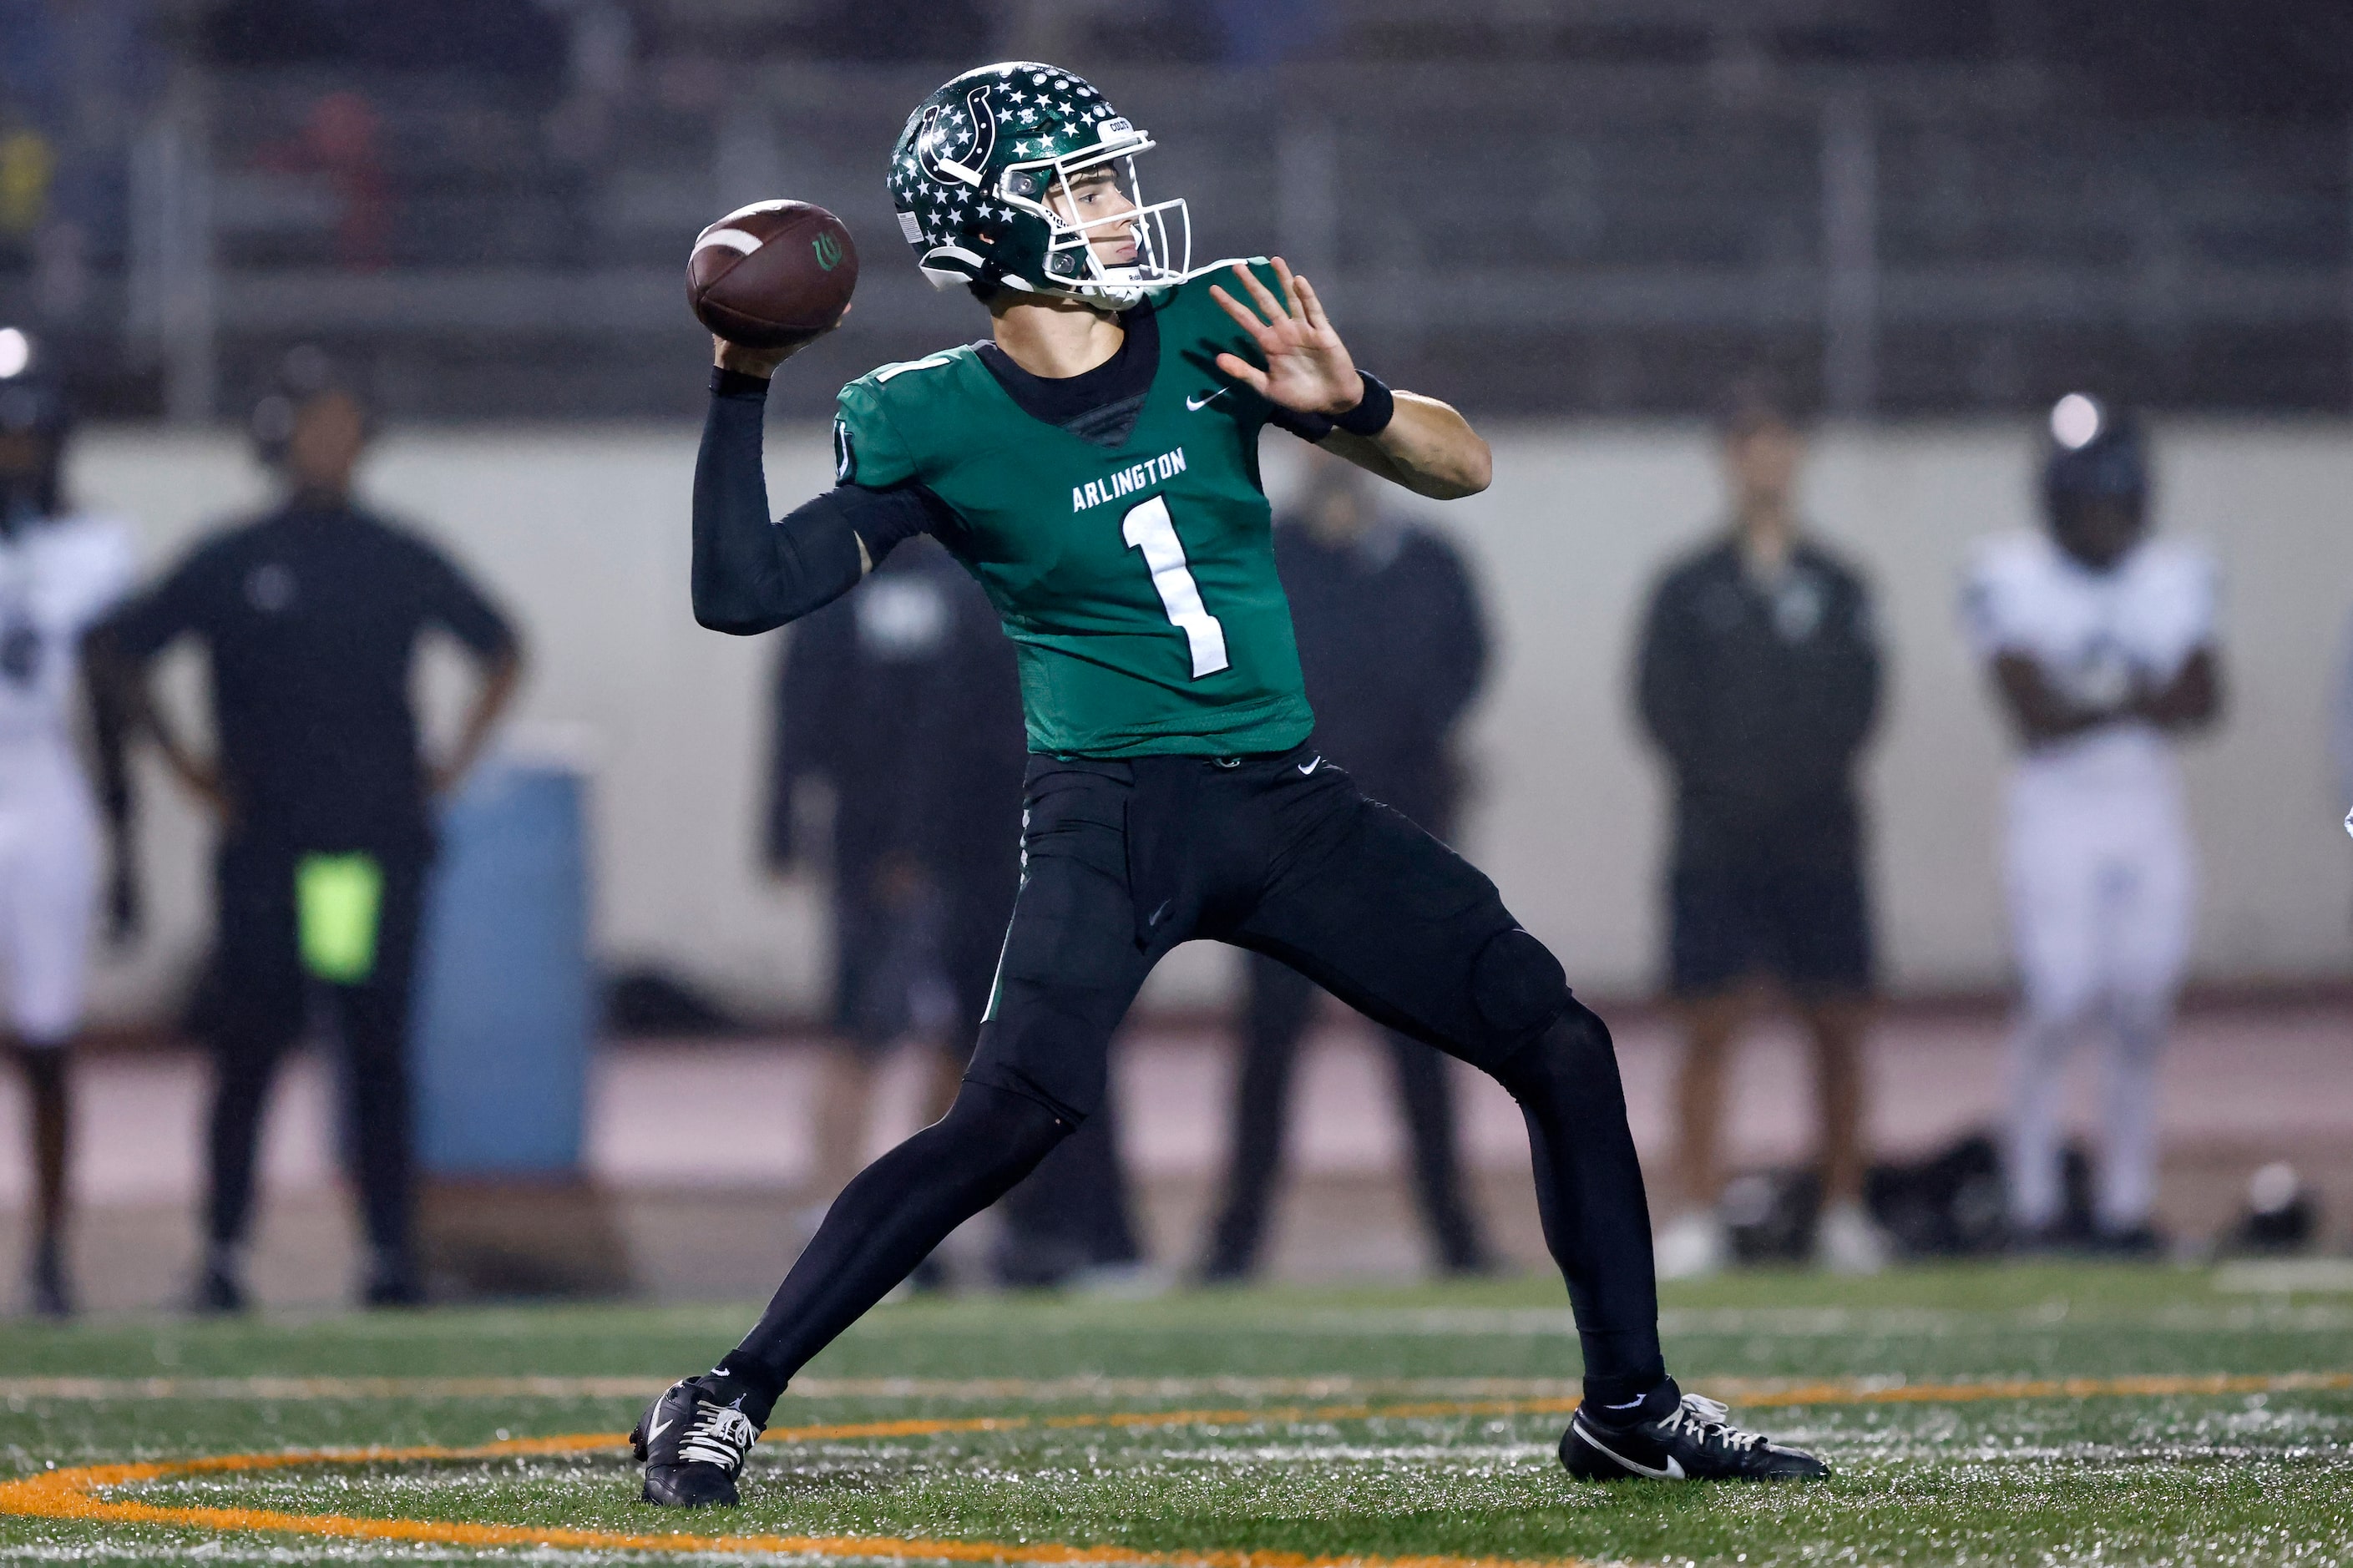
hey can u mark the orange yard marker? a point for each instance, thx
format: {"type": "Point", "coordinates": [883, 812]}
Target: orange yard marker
{"type": "Point", "coordinates": [70, 1494]}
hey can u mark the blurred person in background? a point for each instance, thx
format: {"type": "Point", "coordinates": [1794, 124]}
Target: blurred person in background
{"type": "Point", "coordinates": [78, 78]}
{"type": "Point", "coordinates": [1393, 645]}
{"type": "Point", "coordinates": [310, 616]}
{"type": "Point", "coordinates": [61, 570]}
{"type": "Point", "coordinates": [1758, 678]}
{"type": "Point", "coordinates": [517, 43]}
{"type": "Point", "coordinates": [2101, 643]}
{"type": "Point", "coordinates": [905, 701]}
{"type": "Point", "coordinates": [2340, 728]}
{"type": "Point", "coordinates": [893, 32]}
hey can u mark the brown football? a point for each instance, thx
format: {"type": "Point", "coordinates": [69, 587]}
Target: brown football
{"type": "Point", "coordinates": [773, 275]}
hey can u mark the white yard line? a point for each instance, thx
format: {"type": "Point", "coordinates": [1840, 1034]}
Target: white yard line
{"type": "Point", "coordinates": [1032, 1390]}
{"type": "Point", "coordinates": [21, 1391]}
{"type": "Point", "coordinates": [2285, 1275]}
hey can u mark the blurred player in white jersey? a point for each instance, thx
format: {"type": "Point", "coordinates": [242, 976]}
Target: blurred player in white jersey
{"type": "Point", "coordinates": [2101, 642]}
{"type": "Point", "coordinates": [59, 571]}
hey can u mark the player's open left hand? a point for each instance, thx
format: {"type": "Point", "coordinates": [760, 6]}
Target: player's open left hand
{"type": "Point", "coordinates": [1307, 369]}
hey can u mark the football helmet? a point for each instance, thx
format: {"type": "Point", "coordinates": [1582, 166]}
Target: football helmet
{"type": "Point", "coordinates": [2094, 481]}
{"type": "Point", "coordinates": [982, 178]}
{"type": "Point", "coordinates": [2096, 453]}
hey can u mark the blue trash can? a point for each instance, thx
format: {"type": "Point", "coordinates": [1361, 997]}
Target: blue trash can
{"type": "Point", "coordinates": [505, 1006]}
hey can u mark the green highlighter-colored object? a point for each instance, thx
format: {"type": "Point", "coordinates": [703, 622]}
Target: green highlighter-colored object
{"type": "Point", "coordinates": [336, 901]}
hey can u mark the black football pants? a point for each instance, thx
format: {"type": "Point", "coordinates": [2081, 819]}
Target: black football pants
{"type": "Point", "coordinates": [1279, 1006]}
{"type": "Point", "coordinates": [1073, 1211]}
{"type": "Point", "coordinates": [1283, 856]}
{"type": "Point", "coordinates": [253, 1007]}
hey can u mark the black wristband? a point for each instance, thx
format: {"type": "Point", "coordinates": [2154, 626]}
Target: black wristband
{"type": "Point", "coordinates": [725, 383]}
{"type": "Point", "coordinates": [1372, 415]}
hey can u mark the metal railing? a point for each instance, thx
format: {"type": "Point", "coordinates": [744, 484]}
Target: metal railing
{"type": "Point", "coordinates": [1526, 239]}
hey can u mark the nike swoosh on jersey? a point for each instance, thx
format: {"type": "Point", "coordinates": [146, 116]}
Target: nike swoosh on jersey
{"type": "Point", "coordinates": [1307, 768]}
{"type": "Point", "coordinates": [1195, 404]}
{"type": "Point", "coordinates": [1674, 1466]}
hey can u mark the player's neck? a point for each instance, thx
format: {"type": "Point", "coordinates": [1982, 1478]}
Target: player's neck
{"type": "Point", "coordinates": [305, 497]}
{"type": "Point", "coordinates": [1768, 534]}
{"type": "Point", "coordinates": [1055, 337]}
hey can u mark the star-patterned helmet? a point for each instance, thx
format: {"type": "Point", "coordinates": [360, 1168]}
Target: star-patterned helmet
{"type": "Point", "coordinates": [983, 178]}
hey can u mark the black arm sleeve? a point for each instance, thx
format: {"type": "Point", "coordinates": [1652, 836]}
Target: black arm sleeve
{"type": "Point", "coordinates": [751, 576]}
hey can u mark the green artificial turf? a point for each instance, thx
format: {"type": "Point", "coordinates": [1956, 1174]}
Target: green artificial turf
{"type": "Point", "coordinates": [2250, 1477]}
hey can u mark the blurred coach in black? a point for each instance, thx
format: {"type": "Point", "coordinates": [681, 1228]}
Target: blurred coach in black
{"type": "Point", "coordinates": [1759, 681]}
{"type": "Point", "coordinates": [311, 616]}
{"type": "Point", "coordinates": [1394, 647]}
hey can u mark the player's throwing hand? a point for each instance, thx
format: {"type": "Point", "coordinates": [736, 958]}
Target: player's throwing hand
{"type": "Point", "coordinates": [1307, 366]}
{"type": "Point", "coordinates": [749, 361]}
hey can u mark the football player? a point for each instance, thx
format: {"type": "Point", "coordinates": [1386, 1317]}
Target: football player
{"type": "Point", "coordinates": [1094, 463]}
{"type": "Point", "coordinates": [61, 571]}
{"type": "Point", "coordinates": [2101, 642]}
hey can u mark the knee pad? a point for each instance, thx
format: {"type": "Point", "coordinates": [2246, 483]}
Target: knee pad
{"type": "Point", "coordinates": [1571, 1053]}
{"type": "Point", "coordinates": [1517, 984]}
{"type": "Point", "coordinates": [997, 1121]}
{"type": "Point", "coordinates": [2142, 1023]}
{"type": "Point", "coordinates": [2058, 1002]}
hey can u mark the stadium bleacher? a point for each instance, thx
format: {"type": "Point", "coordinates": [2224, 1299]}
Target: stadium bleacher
{"type": "Point", "coordinates": [1695, 188]}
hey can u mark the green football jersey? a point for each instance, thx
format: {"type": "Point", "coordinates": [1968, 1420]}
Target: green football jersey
{"type": "Point", "coordinates": [1137, 580]}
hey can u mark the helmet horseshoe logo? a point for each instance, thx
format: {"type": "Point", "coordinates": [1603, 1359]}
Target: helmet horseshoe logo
{"type": "Point", "coordinates": [940, 166]}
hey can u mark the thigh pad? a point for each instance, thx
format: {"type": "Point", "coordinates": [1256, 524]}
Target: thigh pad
{"type": "Point", "coordinates": [1071, 963]}
{"type": "Point", "coordinates": [1415, 937]}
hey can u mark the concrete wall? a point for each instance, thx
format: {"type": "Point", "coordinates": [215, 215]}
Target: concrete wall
{"type": "Point", "coordinates": [583, 533]}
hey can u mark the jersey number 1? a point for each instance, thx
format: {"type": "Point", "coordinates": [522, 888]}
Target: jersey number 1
{"type": "Point", "coordinates": [1150, 529]}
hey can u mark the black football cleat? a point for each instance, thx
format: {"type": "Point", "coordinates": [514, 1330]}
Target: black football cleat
{"type": "Point", "coordinates": [219, 1292]}
{"type": "Point", "coordinates": [1695, 1441]}
{"type": "Point", "coordinates": [392, 1280]}
{"type": "Point", "coordinates": [692, 1448]}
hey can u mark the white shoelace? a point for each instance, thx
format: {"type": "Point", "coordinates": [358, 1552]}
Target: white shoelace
{"type": "Point", "coordinates": [1710, 1420]}
{"type": "Point", "coordinates": [719, 1436]}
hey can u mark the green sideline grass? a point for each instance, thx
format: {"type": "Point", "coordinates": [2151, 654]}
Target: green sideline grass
{"type": "Point", "coordinates": [2253, 1478]}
